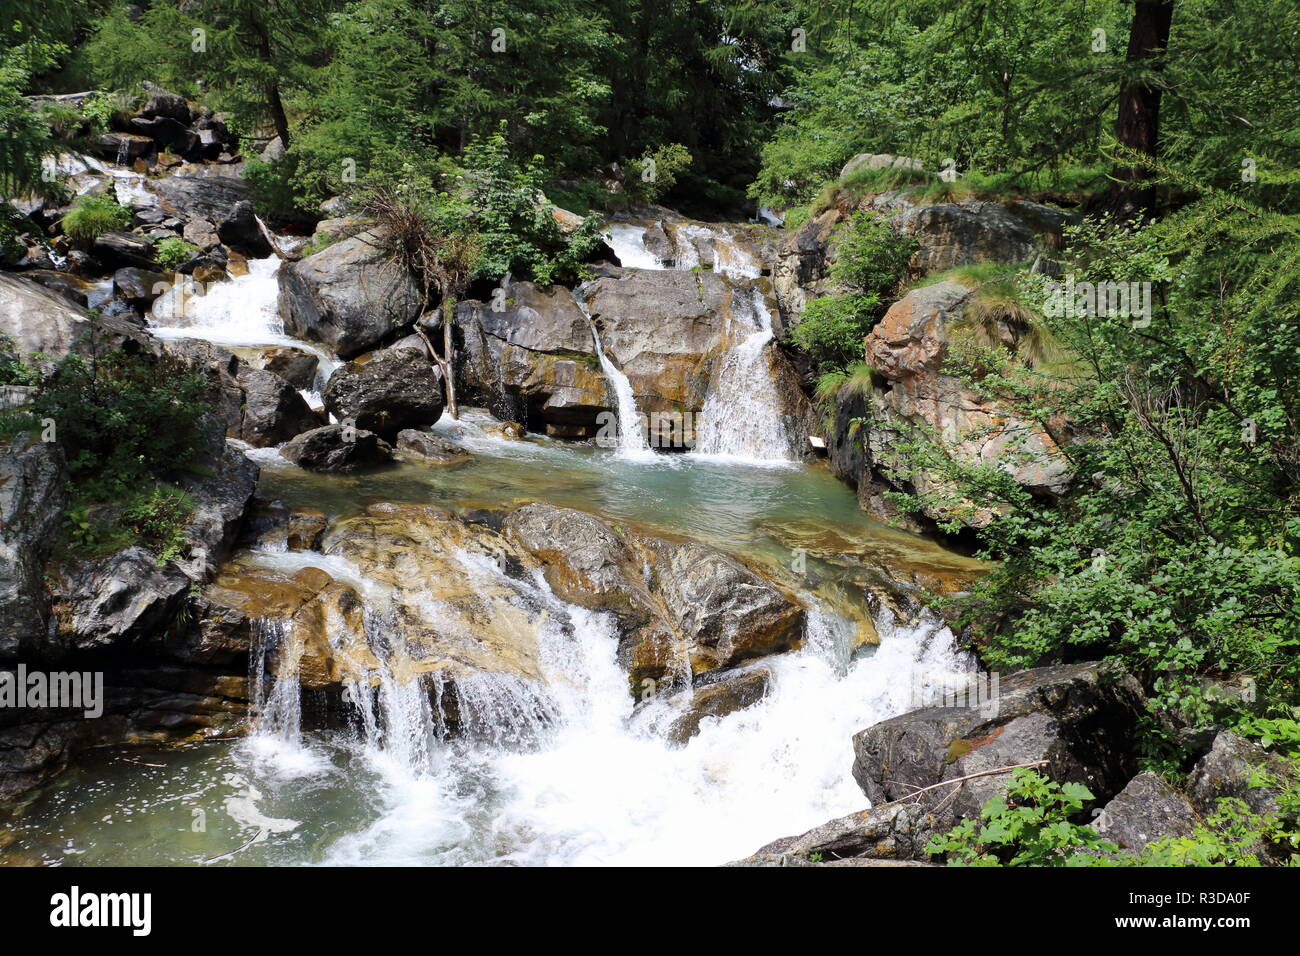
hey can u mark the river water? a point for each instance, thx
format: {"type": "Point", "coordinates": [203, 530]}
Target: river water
{"type": "Point", "coordinates": [597, 782]}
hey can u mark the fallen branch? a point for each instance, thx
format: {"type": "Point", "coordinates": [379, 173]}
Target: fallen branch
{"type": "Point", "coordinates": [140, 762]}
{"type": "Point", "coordinates": [969, 776]}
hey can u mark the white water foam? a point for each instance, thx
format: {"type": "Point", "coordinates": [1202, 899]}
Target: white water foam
{"type": "Point", "coordinates": [741, 418]}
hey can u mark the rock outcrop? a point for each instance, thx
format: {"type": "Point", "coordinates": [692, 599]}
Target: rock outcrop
{"type": "Point", "coordinates": [685, 609]}
{"type": "Point", "coordinates": [386, 392]}
{"type": "Point", "coordinates": [42, 322]}
{"type": "Point", "coordinates": [916, 396]}
{"type": "Point", "coordinates": [348, 296]}
{"type": "Point", "coordinates": [1076, 722]}
{"type": "Point", "coordinates": [32, 499]}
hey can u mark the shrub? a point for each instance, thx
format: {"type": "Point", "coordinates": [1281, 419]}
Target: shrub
{"type": "Point", "coordinates": [1030, 826]}
{"type": "Point", "coordinates": [655, 173]}
{"type": "Point", "coordinates": [123, 419]}
{"type": "Point", "coordinates": [832, 328]}
{"type": "Point", "coordinates": [173, 252]}
{"type": "Point", "coordinates": [92, 216]}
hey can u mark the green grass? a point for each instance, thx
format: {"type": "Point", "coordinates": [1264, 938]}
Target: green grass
{"type": "Point", "coordinates": [92, 216]}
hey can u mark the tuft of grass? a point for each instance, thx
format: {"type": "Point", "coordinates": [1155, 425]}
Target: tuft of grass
{"type": "Point", "coordinates": [999, 306]}
{"type": "Point", "coordinates": [92, 216]}
{"type": "Point", "coordinates": [858, 379]}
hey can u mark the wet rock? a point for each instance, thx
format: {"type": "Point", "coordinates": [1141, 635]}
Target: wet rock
{"type": "Point", "coordinates": [428, 448]}
{"type": "Point", "coordinates": [123, 148]}
{"type": "Point", "coordinates": [719, 696]}
{"type": "Point", "coordinates": [200, 192]}
{"type": "Point", "coordinates": [30, 753]}
{"type": "Point", "coordinates": [273, 410]}
{"type": "Point", "coordinates": [38, 320]}
{"type": "Point", "coordinates": [387, 392]}
{"type": "Point", "coordinates": [897, 832]}
{"type": "Point", "coordinates": [685, 608]}
{"type": "Point", "coordinates": [586, 562]}
{"type": "Point", "coordinates": [240, 230]}
{"type": "Point", "coordinates": [348, 296]}
{"type": "Point", "coordinates": [295, 366]}
{"type": "Point", "coordinates": [1146, 810]}
{"type": "Point", "coordinates": [535, 356]}
{"type": "Point", "coordinates": [255, 405]}
{"type": "Point", "coordinates": [338, 448]}
{"type": "Point", "coordinates": [1078, 719]}
{"type": "Point", "coordinates": [32, 498]}
{"type": "Point", "coordinates": [71, 287]}
{"type": "Point", "coordinates": [117, 249]}
{"type": "Point", "coordinates": [169, 134]}
{"type": "Point", "coordinates": [139, 287]}
{"type": "Point", "coordinates": [304, 529]}
{"type": "Point", "coordinates": [460, 592]}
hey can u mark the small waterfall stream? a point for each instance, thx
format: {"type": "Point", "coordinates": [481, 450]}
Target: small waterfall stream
{"type": "Point", "coordinates": [742, 416]}
{"type": "Point", "coordinates": [631, 440]}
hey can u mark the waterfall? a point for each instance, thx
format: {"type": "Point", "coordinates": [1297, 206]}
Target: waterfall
{"type": "Point", "coordinates": [631, 437]}
{"type": "Point", "coordinates": [628, 243]}
{"type": "Point", "coordinates": [240, 311]}
{"type": "Point", "coordinates": [277, 714]}
{"type": "Point", "coordinates": [742, 416]}
{"type": "Point", "coordinates": [729, 257]}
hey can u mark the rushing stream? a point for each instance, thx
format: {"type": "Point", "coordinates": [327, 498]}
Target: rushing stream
{"type": "Point", "coordinates": [571, 771]}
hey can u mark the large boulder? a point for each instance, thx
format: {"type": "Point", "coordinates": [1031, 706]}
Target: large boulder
{"type": "Point", "coordinates": [41, 321]}
{"type": "Point", "coordinates": [685, 609]}
{"type": "Point", "coordinates": [348, 296]}
{"type": "Point", "coordinates": [255, 405]}
{"type": "Point", "coordinates": [897, 832]}
{"type": "Point", "coordinates": [32, 498]}
{"type": "Point", "coordinates": [974, 231]}
{"type": "Point", "coordinates": [428, 448]}
{"type": "Point", "coordinates": [530, 355]}
{"type": "Point", "coordinates": [1146, 810]}
{"type": "Point", "coordinates": [1235, 768]}
{"type": "Point", "coordinates": [115, 600]}
{"type": "Point", "coordinates": [241, 230]}
{"type": "Point", "coordinates": [338, 448]}
{"type": "Point", "coordinates": [907, 351]}
{"type": "Point", "coordinates": [120, 249]}
{"type": "Point", "coordinates": [386, 392]}
{"type": "Point", "coordinates": [273, 410]}
{"type": "Point", "coordinates": [200, 192]}
{"type": "Point", "coordinates": [1077, 722]}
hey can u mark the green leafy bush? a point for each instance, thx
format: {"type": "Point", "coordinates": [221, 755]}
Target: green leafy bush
{"type": "Point", "coordinates": [92, 216]}
{"type": "Point", "coordinates": [871, 258]}
{"type": "Point", "coordinates": [1030, 826]}
{"type": "Point", "coordinates": [123, 419]}
{"type": "Point", "coordinates": [173, 252]}
{"type": "Point", "coordinates": [655, 173]}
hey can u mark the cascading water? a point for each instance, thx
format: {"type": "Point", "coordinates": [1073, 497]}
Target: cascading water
{"type": "Point", "coordinates": [235, 312]}
{"type": "Point", "coordinates": [741, 417]}
{"type": "Point", "coordinates": [631, 441]}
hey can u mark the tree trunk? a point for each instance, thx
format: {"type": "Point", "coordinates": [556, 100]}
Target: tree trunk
{"type": "Point", "coordinates": [449, 354]}
{"type": "Point", "coordinates": [276, 106]}
{"type": "Point", "coordinates": [1138, 125]}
